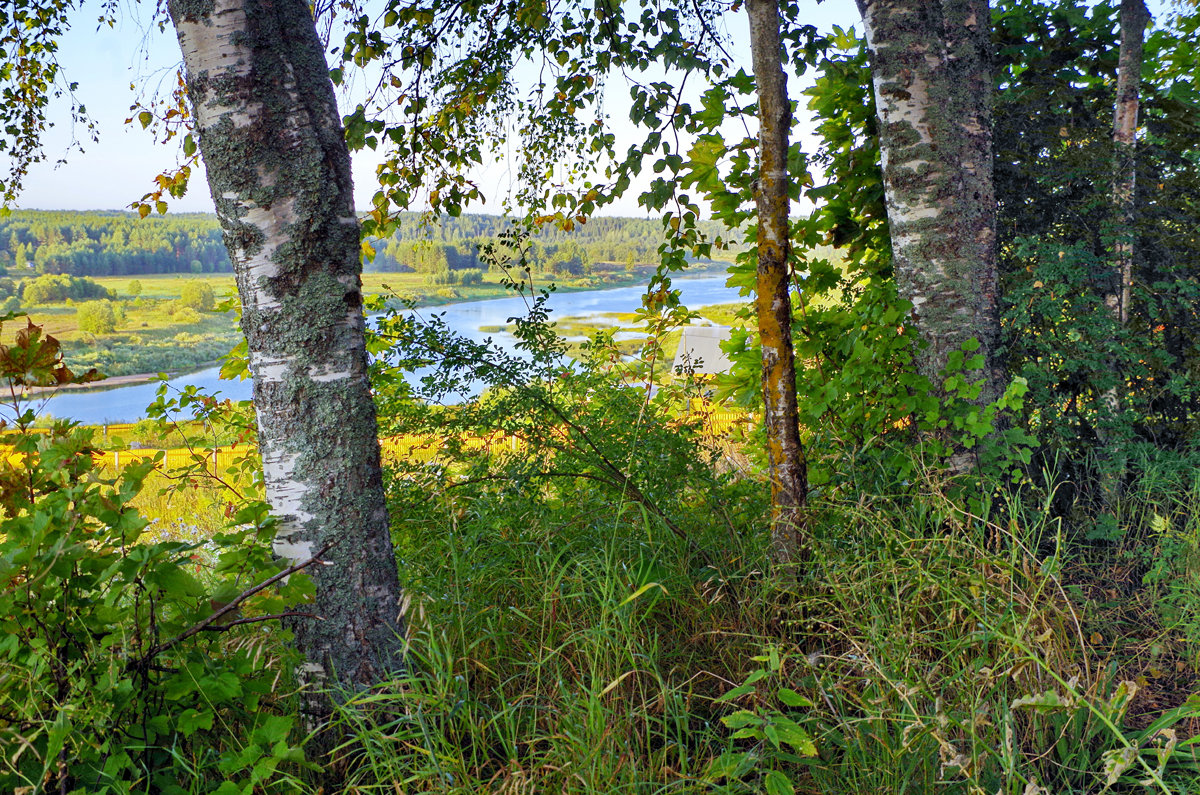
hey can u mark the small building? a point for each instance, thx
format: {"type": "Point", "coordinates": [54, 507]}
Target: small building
{"type": "Point", "coordinates": [700, 350]}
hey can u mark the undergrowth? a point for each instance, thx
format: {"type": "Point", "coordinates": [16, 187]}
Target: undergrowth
{"type": "Point", "coordinates": [566, 647]}
{"type": "Point", "coordinates": [593, 611]}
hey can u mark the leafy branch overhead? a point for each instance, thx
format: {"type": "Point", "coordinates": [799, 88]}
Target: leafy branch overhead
{"type": "Point", "coordinates": [31, 81]}
{"type": "Point", "coordinates": [456, 81]}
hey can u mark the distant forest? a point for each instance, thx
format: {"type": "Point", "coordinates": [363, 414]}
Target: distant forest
{"type": "Point", "coordinates": [109, 243]}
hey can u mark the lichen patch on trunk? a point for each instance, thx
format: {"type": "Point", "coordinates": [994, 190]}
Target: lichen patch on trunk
{"type": "Point", "coordinates": [279, 172]}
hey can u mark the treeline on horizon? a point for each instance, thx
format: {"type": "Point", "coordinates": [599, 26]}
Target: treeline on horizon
{"type": "Point", "coordinates": [115, 243]}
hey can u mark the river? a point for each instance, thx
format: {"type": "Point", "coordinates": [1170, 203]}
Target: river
{"type": "Point", "coordinates": [128, 403]}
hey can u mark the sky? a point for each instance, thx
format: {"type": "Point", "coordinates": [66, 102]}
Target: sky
{"type": "Point", "coordinates": [120, 168]}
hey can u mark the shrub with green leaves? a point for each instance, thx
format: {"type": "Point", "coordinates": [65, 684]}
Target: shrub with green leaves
{"type": "Point", "coordinates": [56, 288]}
{"type": "Point", "coordinates": [117, 674]}
{"type": "Point", "coordinates": [574, 421]}
{"type": "Point", "coordinates": [96, 317]}
{"type": "Point", "coordinates": [198, 296]}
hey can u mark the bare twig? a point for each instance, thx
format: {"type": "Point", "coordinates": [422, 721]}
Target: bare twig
{"type": "Point", "coordinates": [255, 619]}
{"type": "Point", "coordinates": [208, 622]}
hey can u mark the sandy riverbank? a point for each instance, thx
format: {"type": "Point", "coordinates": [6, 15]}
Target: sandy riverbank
{"type": "Point", "coordinates": [112, 382]}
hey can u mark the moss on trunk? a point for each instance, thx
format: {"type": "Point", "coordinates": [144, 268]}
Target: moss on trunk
{"type": "Point", "coordinates": [279, 172]}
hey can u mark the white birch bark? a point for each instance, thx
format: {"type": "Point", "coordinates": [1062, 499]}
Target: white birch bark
{"type": "Point", "coordinates": [932, 83]}
{"type": "Point", "coordinates": [279, 173]}
{"type": "Point", "coordinates": [1134, 17]}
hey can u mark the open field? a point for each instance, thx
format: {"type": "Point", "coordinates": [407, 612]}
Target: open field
{"type": "Point", "coordinates": [152, 335]}
{"type": "Point", "coordinates": [579, 328]}
{"type": "Point", "coordinates": [155, 333]}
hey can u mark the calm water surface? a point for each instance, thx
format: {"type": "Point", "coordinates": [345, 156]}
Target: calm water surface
{"type": "Point", "coordinates": [128, 403]}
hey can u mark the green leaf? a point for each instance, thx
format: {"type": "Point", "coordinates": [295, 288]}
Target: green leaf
{"type": "Point", "coordinates": [741, 719]}
{"type": "Point", "coordinates": [778, 784]}
{"type": "Point", "coordinates": [791, 733]}
{"type": "Point", "coordinates": [730, 765]}
{"type": "Point", "coordinates": [633, 596]}
{"type": "Point", "coordinates": [177, 582]}
{"type": "Point", "coordinates": [273, 729]}
{"type": "Point", "coordinates": [192, 719]}
{"type": "Point", "coordinates": [736, 692]}
{"type": "Point", "coordinates": [1049, 701]}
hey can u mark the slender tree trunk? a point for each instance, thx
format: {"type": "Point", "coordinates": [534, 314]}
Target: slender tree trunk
{"type": "Point", "coordinates": [1134, 18]}
{"type": "Point", "coordinates": [785, 453]}
{"type": "Point", "coordinates": [279, 172]}
{"type": "Point", "coordinates": [930, 70]}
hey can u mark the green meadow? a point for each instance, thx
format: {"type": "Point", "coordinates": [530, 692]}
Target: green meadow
{"type": "Point", "coordinates": [155, 332]}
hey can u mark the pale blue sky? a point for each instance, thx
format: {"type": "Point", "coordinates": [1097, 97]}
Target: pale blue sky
{"type": "Point", "coordinates": [120, 168]}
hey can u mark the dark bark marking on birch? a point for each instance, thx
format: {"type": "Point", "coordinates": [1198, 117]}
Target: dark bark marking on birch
{"type": "Point", "coordinates": [279, 173]}
{"type": "Point", "coordinates": [929, 63]}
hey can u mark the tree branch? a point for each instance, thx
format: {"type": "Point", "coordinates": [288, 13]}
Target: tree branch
{"type": "Point", "coordinates": [256, 619]}
{"type": "Point", "coordinates": [207, 623]}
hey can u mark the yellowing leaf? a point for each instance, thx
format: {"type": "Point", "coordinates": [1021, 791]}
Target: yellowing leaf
{"type": "Point", "coordinates": [636, 594]}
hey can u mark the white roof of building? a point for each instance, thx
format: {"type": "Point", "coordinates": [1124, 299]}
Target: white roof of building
{"type": "Point", "coordinates": [700, 349]}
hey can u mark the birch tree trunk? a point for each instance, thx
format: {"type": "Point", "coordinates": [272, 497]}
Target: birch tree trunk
{"type": "Point", "coordinates": [932, 82]}
{"type": "Point", "coordinates": [785, 453]}
{"type": "Point", "coordinates": [1134, 17]}
{"type": "Point", "coordinates": [279, 172]}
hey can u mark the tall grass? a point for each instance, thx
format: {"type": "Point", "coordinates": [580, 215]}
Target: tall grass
{"type": "Point", "coordinates": [555, 648]}
{"type": "Point", "coordinates": [550, 652]}
{"type": "Point", "coordinates": [559, 641]}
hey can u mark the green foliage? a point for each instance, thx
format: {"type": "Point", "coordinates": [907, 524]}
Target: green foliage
{"type": "Point", "coordinates": [1155, 532]}
{"type": "Point", "coordinates": [1054, 163]}
{"type": "Point", "coordinates": [605, 244]}
{"type": "Point", "coordinates": [1017, 702]}
{"type": "Point", "coordinates": [780, 741]}
{"type": "Point", "coordinates": [440, 276]}
{"type": "Point", "coordinates": [29, 82]}
{"type": "Point", "coordinates": [53, 289]}
{"type": "Point", "coordinates": [560, 595]}
{"type": "Point", "coordinates": [563, 659]}
{"type": "Point", "coordinates": [431, 144]}
{"type": "Point", "coordinates": [99, 243]}
{"type": "Point", "coordinates": [863, 407]}
{"type": "Point", "coordinates": [581, 603]}
{"type": "Point", "coordinates": [198, 296]}
{"type": "Point", "coordinates": [96, 317]}
{"type": "Point", "coordinates": [134, 288]}
{"type": "Point", "coordinates": [120, 678]}
{"type": "Point", "coordinates": [624, 442]}
{"type": "Point", "coordinates": [550, 616]}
